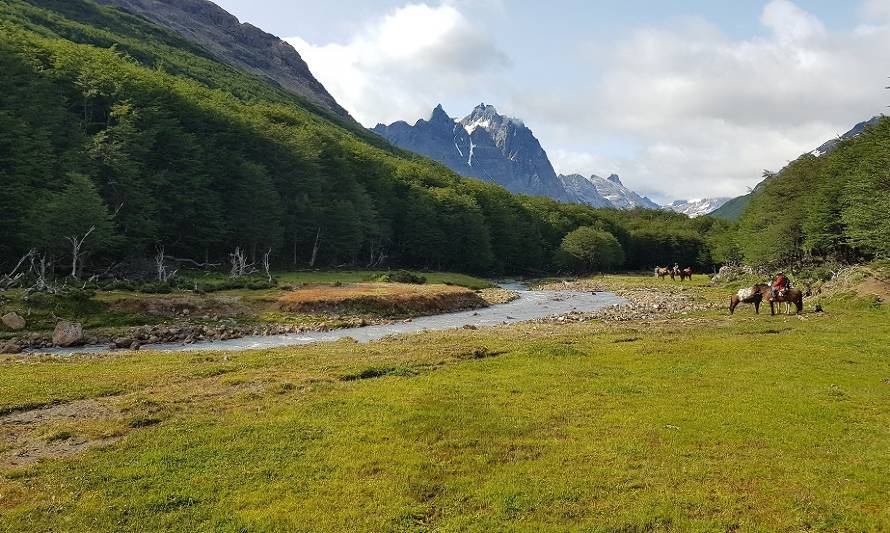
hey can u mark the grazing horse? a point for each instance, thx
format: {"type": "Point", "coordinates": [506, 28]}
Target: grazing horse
{"type": "Point", "coordinates": [662, 272]}
{"type": "Point", "coordinates": [757, 293]}
{"type": "Point", "coordinates": [686, 273]}
{"type": "Point", "coordinates": [751, 295]}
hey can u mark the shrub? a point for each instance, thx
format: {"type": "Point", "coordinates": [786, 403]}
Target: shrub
{"type": "Point", "coordinates": [402, 276]}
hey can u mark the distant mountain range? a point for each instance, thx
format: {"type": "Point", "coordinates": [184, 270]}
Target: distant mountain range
{"type": "Point", "coordinates": [603, 192]}
{"type": "Point", "coordinates": [492, 147]}
{"type": "Point", "coordinates": [733, 209]}
{"type": "Point", "coordinates": [696, 208]}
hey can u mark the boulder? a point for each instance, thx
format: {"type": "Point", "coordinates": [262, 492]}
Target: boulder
{"type": "Point", "coordinates": [13, 321]}
{"type": "Point", "coordinates": [9, 347]}
{"type": "Point", "coordinates": [68, 334]}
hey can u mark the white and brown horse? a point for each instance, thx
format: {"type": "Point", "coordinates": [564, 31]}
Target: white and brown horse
{"type": "Point", "coordinates": [757, 293]}
{"type": "Point", "coordinates": [663, 272]}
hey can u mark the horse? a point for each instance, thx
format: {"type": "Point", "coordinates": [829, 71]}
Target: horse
{"type": "Point", "coordinates": [686, 273]}
{"type": "Point", "coordinates": [751, 295]}
{"type": "Point", "coordinates": [788, 296]}
{"type": "Point", "coordinates": [756, 294]}
{"type": "Point", "coordinates": [662, 272]}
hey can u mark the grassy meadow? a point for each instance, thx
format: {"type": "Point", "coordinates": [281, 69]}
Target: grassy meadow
{"type": "Point", "coordinates": [703, 422]}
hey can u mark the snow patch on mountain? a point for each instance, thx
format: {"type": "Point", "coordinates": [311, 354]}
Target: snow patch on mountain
{"type": "Point", "coordinates": [697, 207]}
{"type": "Point", "coordinates": [603, 192]}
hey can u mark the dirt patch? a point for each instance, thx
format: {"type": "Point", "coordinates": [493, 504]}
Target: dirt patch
{"type": "Point", "coordinates": [387, 299]}
{"type": "Point", "coordinates": [498, 295]}
{"type": "Point", "coordinates": [47, 433]}
{"type": "Point", "coordinates": [862, 280]}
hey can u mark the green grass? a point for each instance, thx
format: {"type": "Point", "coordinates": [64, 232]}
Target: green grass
{"type": "Point", "coordinates": [330, 277]}
{"type": "Point", "coordinates": [706, 423]}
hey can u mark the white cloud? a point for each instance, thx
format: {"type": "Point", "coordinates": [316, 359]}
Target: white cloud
{"type": "Point", "coordinates": [876, 9]}
{"type": "Point", "coordinates": [705, 114]}
{"type": "Point", "coordinates": [395, 66]}
{"type": "Point", "coordinates": [680, 110]}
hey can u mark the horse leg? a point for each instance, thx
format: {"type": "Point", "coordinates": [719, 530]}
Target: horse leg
{"type": "Point", "coordinates": [757, 306]}
{"type": "Point", "coordinates": [772, 308]}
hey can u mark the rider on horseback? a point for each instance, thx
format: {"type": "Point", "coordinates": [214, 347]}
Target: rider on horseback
{"type": "Point", "coordinates": [779, 286]}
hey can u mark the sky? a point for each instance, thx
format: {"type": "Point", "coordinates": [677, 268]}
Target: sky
{"type": "Point", "coordinates": [683, 99]}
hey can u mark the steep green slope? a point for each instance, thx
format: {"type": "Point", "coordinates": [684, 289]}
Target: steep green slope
{"type": "Point", "coordinates": [829, 207]}
{"type": "Point", "coordinates": [733, 209]}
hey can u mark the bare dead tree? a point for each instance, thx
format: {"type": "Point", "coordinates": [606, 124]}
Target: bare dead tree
{"type": "Point", "coordinates": [192, 261]}
{"type": "Point", "coordinates": [76, 245]}
{"type": "Point", "coordinates": [315, 248]}
{"type": "Point", "coordinates": [13, 277]}
{"type": "Point", "coordinates": [377, 253]}
{"type": "Point", "coordinates": [38, 270]}
{"type": "Point", "coordinates": [267, 265]}
{"type": "Point", "coordinates": [240, 266]}
{"type": "Point", "coordinates": [161, 266]}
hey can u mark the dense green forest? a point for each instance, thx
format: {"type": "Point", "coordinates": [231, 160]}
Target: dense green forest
{"type": "Point", "coordinates": [123, 137]}
{"type": "Point", "coordinates": [830, 208]}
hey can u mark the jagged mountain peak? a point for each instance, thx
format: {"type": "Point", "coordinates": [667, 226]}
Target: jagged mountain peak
{"type": "Point", "coordinates": [439, 115]}
{"type": "Point", "coordinates": [603, 192]}
{"type": "Point", "coordinates": [496, 148]}
{"type": "Point", "coordinates": [487, 117]}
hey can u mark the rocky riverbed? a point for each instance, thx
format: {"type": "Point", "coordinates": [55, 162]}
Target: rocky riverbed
{"type": "Point", "coordinates": [642, 303]}
{"type": "Point", "coordinates": [214, 329]}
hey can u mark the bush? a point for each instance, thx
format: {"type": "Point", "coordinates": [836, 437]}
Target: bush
{"type": "Point", "coordinates": [402, 276]}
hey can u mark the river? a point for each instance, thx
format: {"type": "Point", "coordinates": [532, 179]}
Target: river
{"type": "Point", "coordinates": [529, 306]}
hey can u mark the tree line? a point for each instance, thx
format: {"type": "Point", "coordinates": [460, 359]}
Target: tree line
{"type": "Point", "coordinates": [830, 208]}
{"type": "Point", "coordinates": [118, 139]}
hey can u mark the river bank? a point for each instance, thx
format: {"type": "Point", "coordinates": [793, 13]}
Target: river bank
{"type": "Point", "coordinates": [310, 302]}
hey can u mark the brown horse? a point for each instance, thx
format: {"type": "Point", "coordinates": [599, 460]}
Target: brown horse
{"type": "Point", "coordinates": [794, 296]}
{"type": "Point", "coordinates": [662, 272]}
{"type": "Point", "coordinates": [757, 293]}
{"type": "Point", "coordinates": [686, 273]}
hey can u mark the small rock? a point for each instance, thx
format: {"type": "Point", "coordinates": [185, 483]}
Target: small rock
{"type": "Point", "coordinates": [470, 326]}
{"type": "Point", "coordinates": [13, 321]}
{"type": "Point", "coordinates": [123, 342]}
{"type": "Point", "coordinates": [135, 346]}
{"type": "Point", "coordinates": [9, 347]}
{"type": "Point", "coordinates": [68, 334]}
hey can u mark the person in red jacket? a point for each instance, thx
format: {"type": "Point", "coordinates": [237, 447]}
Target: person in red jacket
{"type": "Point", "coordinates": [780, 283]}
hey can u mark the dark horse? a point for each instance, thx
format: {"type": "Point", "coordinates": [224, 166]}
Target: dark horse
{"type": "Point", "coordinates": [757, 293]}
{"type": "Point", "coordinates": [686, 273]}
{"type": "Point", "coordinates": [751, 295]}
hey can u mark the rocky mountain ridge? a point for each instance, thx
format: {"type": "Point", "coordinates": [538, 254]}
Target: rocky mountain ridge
{"type": "Point", "coordinates": [492, 147]}
{"type": "Point", "coordinates": [239, 44]}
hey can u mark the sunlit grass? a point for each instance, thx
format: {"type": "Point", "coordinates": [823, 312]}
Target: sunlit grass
{"type": "Point", "coordinates": [705, 423]}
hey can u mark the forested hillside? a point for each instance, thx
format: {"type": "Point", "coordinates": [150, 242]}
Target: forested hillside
{"type": "Point", "coordinates": [125, 137]}
{"type": "Point", "coordinates": [832, 207]}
